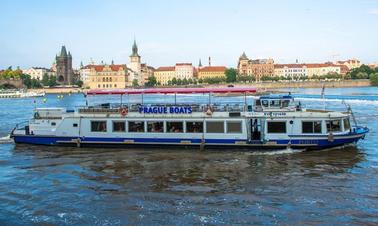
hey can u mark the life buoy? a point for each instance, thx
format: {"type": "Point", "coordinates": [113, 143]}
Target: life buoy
{"type": "Point", "coordinates": [209, 110]}
{"type": "Point", "coordinates": [124, 111]}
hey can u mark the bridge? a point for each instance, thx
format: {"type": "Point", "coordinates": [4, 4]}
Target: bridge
{"type": "Point", "coordinates": [11, 83]}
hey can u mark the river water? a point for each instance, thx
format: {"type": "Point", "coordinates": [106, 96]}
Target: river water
{"type": "Point", "coordinates": [70, 186]}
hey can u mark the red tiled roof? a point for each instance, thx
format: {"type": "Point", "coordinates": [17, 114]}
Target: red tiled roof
{"type": "Point", "coordinates": [289, 65]}
{"type": "Point", "coordinates": [212, 69]}
{"type": "Point", "coordinates": [113, 67]}
{"type": "Point", "coordinates": [165, 69]}
{"type": "Point", "coordinates": [183, 64]}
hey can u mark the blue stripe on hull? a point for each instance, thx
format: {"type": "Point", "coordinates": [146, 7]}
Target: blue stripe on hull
{"type": "Point", "coordinates": [51, 140]}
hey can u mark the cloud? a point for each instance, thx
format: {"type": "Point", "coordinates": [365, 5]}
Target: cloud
{"type": "Point", "coordinates": [373, 11]}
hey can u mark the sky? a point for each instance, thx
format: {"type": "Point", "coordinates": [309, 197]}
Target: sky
{"type": "Point", "coordinates": [172, 31]}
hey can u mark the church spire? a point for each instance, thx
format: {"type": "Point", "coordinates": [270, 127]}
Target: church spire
{"type": "Point", "coordinates": [200, 63]}
{"type": "Point", "coordinates": [63, 52]}
{"type": "Point", "coordinates": [134, 49]}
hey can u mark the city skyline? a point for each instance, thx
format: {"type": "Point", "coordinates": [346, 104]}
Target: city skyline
{"type": "Point", "coordinates": [176, 31]}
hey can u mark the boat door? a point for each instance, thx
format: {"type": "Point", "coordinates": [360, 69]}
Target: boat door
{"type": "Point", "coordinates": [255, 129]}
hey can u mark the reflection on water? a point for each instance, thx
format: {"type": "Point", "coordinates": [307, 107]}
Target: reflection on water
{"type": "Point", "coordinates": [72, 185]}
{"type": "Point", "coordinates": [53, 185]}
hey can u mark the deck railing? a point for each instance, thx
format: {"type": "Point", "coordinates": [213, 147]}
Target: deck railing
{"type": "Point", "coordinates": [115, 108]}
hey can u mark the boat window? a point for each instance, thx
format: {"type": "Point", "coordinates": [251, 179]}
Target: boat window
{"type": "Point", "coordinates": [258, 102]}
{"type": "Point", "coordinates": [119, 126]}
{"type": "Point", "coordinates": [346, 124]}
{"type": "Point", "coordinates": [155, 127]}
{"type": "Point", "coordinates": [98, 126]}
{"type": "Point", "coordinates": [234, 127]}
{"type": "Point", "coordinates": [276, 127]}
{"type": "Point", "coordinates": [136, 126]}
{"type": "Point", "coordinates": [74, 125]}
{"type": "Point", "coordinates": [334, 126]}
{"type": "Point", "coordinates": [275, 103]}
{"type": "Point", "coordinates": [53, 124]}
{"type": "Point", "coordinates": [214, 127]}
{"type": "Point", "coordinates": [312, 127]}
{"type": "Point", "coordinates": [175, 127]}
{"type": "Point", "coordinates": [265, 103]}
{"type": "Point", "coordinates": [285, 103]}
{"type": "Point", "coordinates": [194, 127]}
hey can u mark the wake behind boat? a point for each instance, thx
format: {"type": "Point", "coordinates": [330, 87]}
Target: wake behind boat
{"type": "Point", "coordinates": [270, 122]}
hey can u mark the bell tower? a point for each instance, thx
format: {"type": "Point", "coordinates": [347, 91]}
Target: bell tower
{"type": "Point", "coordinates": [134, 59]}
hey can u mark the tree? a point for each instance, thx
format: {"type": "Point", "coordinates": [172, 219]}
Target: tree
{"type": "Point", "coordinates": [374, 79]}
{"type": "Point", "coordinates": [231, 75]}
{"type": "Point", "coordinates": [174, 81]}
{"type": "Point", "coordinates": [52, 81]}
{"type": "Point", "coordinates": [45, 80]}
{"type": "Point", "coordinates": [151, 81]}
{"type": "Point", "coordinates": [135, 83]}
{"type": "Point", "coordinates": [79, 83]}
{"type": "Point", "coordinates": [26, 80]}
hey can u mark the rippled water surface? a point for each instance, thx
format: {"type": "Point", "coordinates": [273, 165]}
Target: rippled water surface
{"type": "Point", "coordinates": [49, 185]}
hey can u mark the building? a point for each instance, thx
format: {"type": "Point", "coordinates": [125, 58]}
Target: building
{"type": "Point", "coordinates": [179, 71]}
{"type": "Point", "coordinates": [138, 71]}
{"type": "Point", "coordinates": [211, 72]}
{"type": "Point", "coordinates": [322, 69]}
{"type": "Point", "coordinates": [105, 76]}
{"type": "Point", "coordinates": [184, 71]}
{"type": "Point", "coordinates": [38, 72]}
{"type": "Point", "coordinates": [373, 65]}
{"type": "Point", "coordinates": [164, 74]}
{"type": "Point", "coordinates": [64, 71]}
{"type": "Point", "coordinates": [147, 71]}
{"type": "Point", "coordinates": [257, 67]}
{"type": "Point", "coordinates": [352, 63]}
{"type": "Point", "coordinates": [292, 71]}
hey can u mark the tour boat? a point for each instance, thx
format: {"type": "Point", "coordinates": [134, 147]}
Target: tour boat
{"type": "Point", "coordinates": [20, 94]}
{"type": "Point", "coordinates": [265, 122]}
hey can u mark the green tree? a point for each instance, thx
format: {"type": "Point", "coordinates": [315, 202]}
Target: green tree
{"type": "Point", "coordinates": [231, 74]}
{"type": "Point", "coordinates": [26, 80]}
{"type": "Point", "coordinates": [179, 82]}
{"type": "Point", "coordinates": [52, 81]}
{"type": "Point", "coordinates": [34, 83]}
{"type": "Point", "coordinates": [151, 81]}
{"type": "Point", "coordinates": [174, 81]}
{"type": "Point", "coordinates": [79, 83]}
{"type": "Point", "coordinates": [374, 79]}
{"type": "Point", "coordinates": [135, 83]}
{"type": "Point", "coordinates": [45, 80]}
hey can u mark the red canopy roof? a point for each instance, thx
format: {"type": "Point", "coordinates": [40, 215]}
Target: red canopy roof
{"type": "Point", "coordinates": [171, 90]}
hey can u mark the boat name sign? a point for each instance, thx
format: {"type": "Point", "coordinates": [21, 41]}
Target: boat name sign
{"type": "Point", "coordinates": [165, 110]}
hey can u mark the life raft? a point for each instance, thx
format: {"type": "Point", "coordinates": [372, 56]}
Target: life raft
{"type": "Point", "coordinates": [123, 111]}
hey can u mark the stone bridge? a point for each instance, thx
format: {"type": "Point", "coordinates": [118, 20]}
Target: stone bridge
{"type": "Point", "coordinates": [11, 83]}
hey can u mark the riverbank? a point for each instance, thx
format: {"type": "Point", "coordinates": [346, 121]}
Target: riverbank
{"type": "Point", "coordinates": [259, 85]}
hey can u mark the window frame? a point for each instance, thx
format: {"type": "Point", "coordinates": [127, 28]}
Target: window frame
{"type": "Point", "coordinates": [136, 121]}
{"type": "Point", "coordinates": [313, 126]}
{"type": "Point", "coordinates": [168, 129]}
{"type": "Point", "coordinates": [148, 122]}
{"type": "Point", "coordinates": [207, 128]}
{"type": "Point", "coordinates": [349, 126]}
{"type": "Point", "coordinates": [99, 121]}
{"type": "Point", "coordinates": [267, 127]}
{"type": "Point", "coordinates": [238, 132]}
{"type": "Point", "coordinates": [119, 121]}
{"type": "Point", "coordinates": [201, 130]}
{"type": "Point", "coordinates": [336, 131]}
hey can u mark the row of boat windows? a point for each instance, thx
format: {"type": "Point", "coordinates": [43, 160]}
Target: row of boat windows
{"type": "Point", "coordinates": [310, 126]}
{"type": "Point", "coordinates": [168, 127]}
